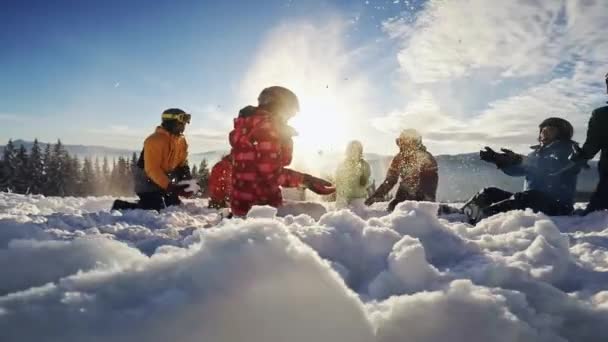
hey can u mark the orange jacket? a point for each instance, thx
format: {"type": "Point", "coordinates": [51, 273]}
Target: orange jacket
{"type": "Point", "coordinates": [163, 153]}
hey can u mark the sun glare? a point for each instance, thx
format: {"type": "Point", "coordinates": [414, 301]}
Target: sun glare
{"type": "Point", "coordinates": [322, 124]}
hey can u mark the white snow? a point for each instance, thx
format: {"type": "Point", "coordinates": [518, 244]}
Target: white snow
{"type": "Point", "coordinates": [71, 270]}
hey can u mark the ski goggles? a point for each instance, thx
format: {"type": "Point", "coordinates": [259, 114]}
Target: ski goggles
{"type": "Point", "coordinates": [183, 117]}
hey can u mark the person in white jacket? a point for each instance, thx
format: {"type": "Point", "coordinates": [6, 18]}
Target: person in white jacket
{"type": "Point", "coordinates": [352, 177]}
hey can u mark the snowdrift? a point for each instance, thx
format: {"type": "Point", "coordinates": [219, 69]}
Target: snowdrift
{"type": "Point", "coordinates": [73, 271]}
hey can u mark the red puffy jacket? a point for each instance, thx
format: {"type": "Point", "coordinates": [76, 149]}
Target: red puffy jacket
{"type": "Point", "coordinates": [261, 148]}
{"type": "Point", "coordinates": [220, 183]}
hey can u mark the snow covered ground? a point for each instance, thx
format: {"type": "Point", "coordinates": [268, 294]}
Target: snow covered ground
{"type": "Point", "coordinates": [70, 270]}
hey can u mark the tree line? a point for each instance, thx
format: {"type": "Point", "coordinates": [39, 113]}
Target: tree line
{"type": "Point", "coordinates": [52, 171]}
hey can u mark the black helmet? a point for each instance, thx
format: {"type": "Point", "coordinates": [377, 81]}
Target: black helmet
{"type": "Point", "coordinates": [176, 114]}
{"type": "Point", "coordinates": [280, 98]}
{"type": "Point", "coordinates": [565, 129]}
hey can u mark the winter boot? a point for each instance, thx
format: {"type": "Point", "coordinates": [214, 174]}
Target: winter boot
{"type": "Point", "coordinates": [124, 205]}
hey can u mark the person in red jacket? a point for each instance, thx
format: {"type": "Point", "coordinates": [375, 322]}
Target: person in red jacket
{"type": "Point", "coordinates": [416, 168]}
{"type": "Point", "coordinates": [262, 147]}
{"type": "Point", "coordinates": [220, 183]}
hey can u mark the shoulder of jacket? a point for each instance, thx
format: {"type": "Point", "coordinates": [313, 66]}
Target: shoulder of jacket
{"type": "Point", "coordinates": [156, 137]}
{"type": "Point", "coordinates": [600, 111]}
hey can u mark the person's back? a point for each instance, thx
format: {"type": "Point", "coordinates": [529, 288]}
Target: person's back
{"type": "Point", "coordinates": [352, 176]}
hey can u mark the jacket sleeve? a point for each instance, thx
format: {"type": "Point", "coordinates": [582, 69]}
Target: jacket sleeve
{"type": "Point", "coordinates": [517, 170]}
{"type": "Point", "coordinates": [594, 136]}
{"type": "Point", "coordinates": [392, 177]}
{"type": "Point", "coordinates": [154, 150]}
{"type": "Point", "coordinates": [291, 178]}
{"type": "Point", "coordinates": [429, 178]}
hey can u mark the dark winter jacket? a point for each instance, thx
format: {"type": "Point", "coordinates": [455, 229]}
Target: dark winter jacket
{"type": "Point", "coordinates": [597, 139]}
{"type": "Point", "coordinates": [547, 169]}
{"type": "Point", "coordinates": [418, 172]}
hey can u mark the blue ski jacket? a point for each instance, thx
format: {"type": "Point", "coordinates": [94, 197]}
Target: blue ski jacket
{"type": "Point", "coordinates": [548, 169]}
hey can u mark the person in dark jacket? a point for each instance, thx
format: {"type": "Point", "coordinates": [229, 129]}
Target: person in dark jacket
{"type": "Point", "coordinates": [415, 167]}
{"type": "Point", "coordinates": [597, 140]}
{"type": "Point", "coordinates": [550, 177]}
{"type": "Point", "coordinates": [162, 164]}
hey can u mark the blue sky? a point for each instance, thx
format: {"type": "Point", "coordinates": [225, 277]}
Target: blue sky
{"type": "Point", "coordinates": [465, 73]}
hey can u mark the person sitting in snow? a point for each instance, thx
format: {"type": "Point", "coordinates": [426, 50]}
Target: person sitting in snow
{"type": "Point", "coordinates": [352, 176]}
{"type": "Point", "coordinates": [262, 147]}
{"type": "Point", "coordinates": [220, 183]}
{"type": "Point", "coordinates": [597, 141]}
{"type": "Point", "coordinates": [162, 164]}
{"type": "Point", "coordinates": [550, 178]}
{"type": "Point", "coordinates": [416, 168]}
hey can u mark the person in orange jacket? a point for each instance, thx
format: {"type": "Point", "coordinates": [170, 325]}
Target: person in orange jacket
{"type": "Point", "coordinates": [416, 168]}
{"type": "Point", "coordinates": [262, 148]}
{"type": "Point", "coordinates": [162, 164]}
{"type": "Point", "coordinates": [220, 183]}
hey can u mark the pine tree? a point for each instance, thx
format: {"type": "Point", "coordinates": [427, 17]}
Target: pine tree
{"type": "Point", "coordinates": [9, 167]}
{"type": "Point", "coordinates": [57, 170]}
{"type": "Point", "coordinates": [89, 180]}
{"type": "Point", "coordinates": [47, 161]}
{"type": "Point", "coordinates": [21, 182]}
{"type": "Point", "coordinates": [133, 161]}
{"type": "Point", "coordinates": [97, 190]}
{"type": "Point", "coordinates": [203, 176]}
{"type": "Point", "coordinates": [36, 169]}
{"type": "Point", "coordinates": [194, 172]}
{"type": "Point", "coordinates": [73, 176]}
{"type": "Point", "coordinates": [105, 177]}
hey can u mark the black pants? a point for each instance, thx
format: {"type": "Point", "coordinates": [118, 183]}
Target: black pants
{"type": "Point", "coordinates": [149, 201]}
{"type": "Point", "coordinates": [599, 199]}
{"type": "Point", "coordinates": [404, 194]}
{"type": "Point", "coordinates": [491, 201]}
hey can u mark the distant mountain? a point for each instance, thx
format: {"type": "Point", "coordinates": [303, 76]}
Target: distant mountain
{"type": "Point", "coordinates": [460, 175]}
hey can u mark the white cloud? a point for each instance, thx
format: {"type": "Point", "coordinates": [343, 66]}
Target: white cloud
{"type": "Point", "coordinates": [488, 72]}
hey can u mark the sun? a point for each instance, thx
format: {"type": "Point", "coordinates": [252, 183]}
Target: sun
{"type": "Point", "coordinates": [322, 124]}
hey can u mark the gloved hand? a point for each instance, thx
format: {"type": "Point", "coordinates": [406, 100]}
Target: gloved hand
{"type": "Point", "coordinates": [178, 189]}
{"type": "Point", "coordinates": [507, 158]}
{"type": "Point", "coordinates": [488, 155]}
{"type": "Point", "coordinates": [577, 154]}
{"type": "Point", "coordinates": [317, 185]}
{"type": "Point", "coordinates": [191, 189]}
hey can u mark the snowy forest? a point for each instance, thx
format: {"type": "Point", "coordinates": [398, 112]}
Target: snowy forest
{"type": "Point", "coordinates": [51, 171]}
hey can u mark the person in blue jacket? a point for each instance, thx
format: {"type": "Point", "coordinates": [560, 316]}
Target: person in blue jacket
{"type": "Point", "coordinates": [550, 177]}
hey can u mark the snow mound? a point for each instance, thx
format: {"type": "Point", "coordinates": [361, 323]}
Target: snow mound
{"type": "Point", "coordinates": [74, 271]}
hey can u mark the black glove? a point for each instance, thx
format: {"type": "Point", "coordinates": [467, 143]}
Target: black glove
{"type": "Point", "coordinates": [182, 173]}
{"type": "Point", "coordinates": [488, 155]}
{"type": "Point", "coordinates": [507, 158]}
{"type": "Point", "coordinates": [577, 154]}
{"type": "Point", "coordinates": [177, 189]}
